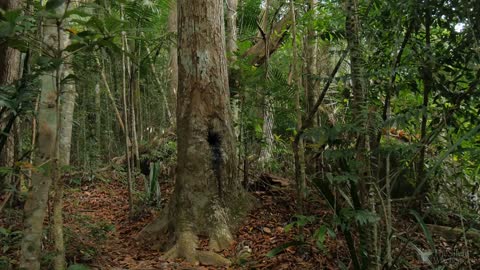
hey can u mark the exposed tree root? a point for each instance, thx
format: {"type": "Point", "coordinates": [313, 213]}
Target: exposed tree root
{"type": "Point", "coordinates": [186, 248]}
{"type": "Point", "coordinates": [155, 230]}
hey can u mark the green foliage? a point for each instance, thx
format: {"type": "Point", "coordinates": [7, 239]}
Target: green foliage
{"type": "Point", "coordinates": [360, 217]}
{"type": "Point", "coordinates": [249, 12]}
{"type": "Point", "coordinates": [320, 236]}
{"type": "Point", "coordinates": [78, 267]}
{"type": "Point", "coordinates": [300, 222]}
{"type": "Point", "coordinates": [274, 252]}
{"type": "Point", "coordinates": [425, 229]}
{"type": "Point", "coordinates": [8, 239]}
{"type": "Point", "coordinates": [153, 191]}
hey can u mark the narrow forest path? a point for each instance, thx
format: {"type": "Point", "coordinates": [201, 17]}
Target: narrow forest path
{"type": "Point", "coordinates": [101, 235]}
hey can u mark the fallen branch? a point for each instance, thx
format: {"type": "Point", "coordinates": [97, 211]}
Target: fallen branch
{"type": "Point", "coordinates": [279, 32]}
{"type": "Point", "coordinates": [454, 234]}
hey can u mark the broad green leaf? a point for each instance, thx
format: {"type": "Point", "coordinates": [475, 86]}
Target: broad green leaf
{"type": "Point", "coordinates": [426, 231]}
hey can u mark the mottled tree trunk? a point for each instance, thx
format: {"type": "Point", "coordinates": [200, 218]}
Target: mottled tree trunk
{"type": "Point", "coordinates": [266, 151]}
{"type": "Point", "coordinates": [9, 72]}
{"type": "Point", "coordinates": [208, 198]}
{"type": "Point", "coordinates": [45, 158]}
{"type": "Point", "coordinates": [310, 81]}
{"type": "Point", "coordinates": [67, 105]}
{"type": "Point", "coordinates": [298, 145]}
{"type": "Point", "coordinates": [67, 101]}
{"type": "Point", "coordinates": [173, 63]}
{"type": "Point", "coordinates": [231, 25]}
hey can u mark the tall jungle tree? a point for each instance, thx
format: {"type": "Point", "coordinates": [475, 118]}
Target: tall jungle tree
{"type": "Point", "coordinates": [208, 198]}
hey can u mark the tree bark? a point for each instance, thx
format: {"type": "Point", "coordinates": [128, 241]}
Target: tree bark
{"type": "Point", "coordinates": [208, 198]}
{"type": "Point", "coordinates": [231, 31]}
{"type": "Point", "coordinates": [9, 72]}
{"type": "Point", "coordinates": [297, 145]}
{"type": "Point", "coordinates": [173, 63]}
{"type": "Point", "coordinates": [67, 101]}
{"type": "Point", "coordinates": [45, 158]}
{"type": "Point", "coordinates": [266, 151]}
{"type": "Point", "coordinates": [67, 98]}
{"type": "Point", "coordinates": [311, 59]}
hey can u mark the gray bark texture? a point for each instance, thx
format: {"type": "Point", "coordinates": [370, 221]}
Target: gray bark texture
{"type": "Point", "coordinates": [45, 157]}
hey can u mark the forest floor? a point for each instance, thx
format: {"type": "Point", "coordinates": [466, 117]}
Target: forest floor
{"type": "Point", "coordinates": [100, 233]}
{"type": "Point", "coordinates": [104, 237]}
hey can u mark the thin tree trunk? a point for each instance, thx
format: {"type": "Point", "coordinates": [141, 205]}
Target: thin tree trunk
{"type": "Point", "coordinates": [125, 114]}
{"type": "Point", "coordinates": [36, 202]}
{"type": "Point", "coordinates": [171, 119]}
{"type": "Point", "coordinates": [388, 197]}
{"type": "Point", "coordinates": [135, 160]}
{"type": "Point", "coordinates": [138, 94]}
{"type": "Point", "coordinates": [309, 79]}
{"type": "Point", "coordinates": [298, 147]}
{"type": "Point", "coordinates": [98, 119]}
{"type": "Point", "coordinates": [426, 72]}
{"type": "Point", "coordinates": [231, 28]}
{"type": "Point", "coordinates": [359, 190]}
{"type": "Point", "coordinates": [266, 152]}
{"type": "Point", "coordinates": [67, 95]}
{"type": "Point", "coordinates": [109, 92]}
{"type": "Point", "coordinates": [311, 59]}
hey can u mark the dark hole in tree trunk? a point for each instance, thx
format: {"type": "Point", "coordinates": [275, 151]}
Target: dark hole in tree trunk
{"type": "Point", "coordinates": [215, 141]}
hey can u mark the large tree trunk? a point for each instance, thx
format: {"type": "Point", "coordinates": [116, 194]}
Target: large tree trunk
{"type": "Point", "coordinates": [36, 203]}
{"type": "Point", "coordinates": [9, 71]}
{"type": "Point", "coordinates": [208, 198]}
{"type": "Point", "coordinates": [173, 63]}
{"type": "Point", "coordinates": [9, 57]}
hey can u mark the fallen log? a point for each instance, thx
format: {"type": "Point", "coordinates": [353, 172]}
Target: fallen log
{"type": "Point", "coordinates": [454, 234]}
{"type": "Point", "coordinates": [147, 148]}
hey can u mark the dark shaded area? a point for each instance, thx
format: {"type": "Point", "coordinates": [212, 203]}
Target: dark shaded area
{"type": "Point", "coordinates": [215, 141]}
